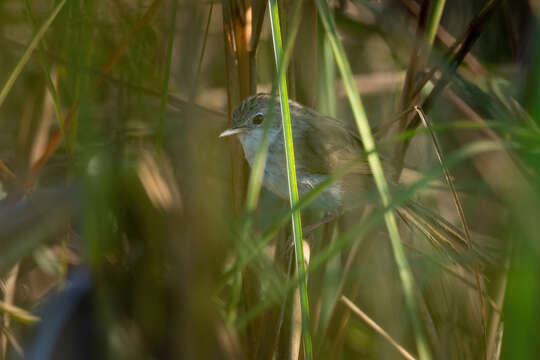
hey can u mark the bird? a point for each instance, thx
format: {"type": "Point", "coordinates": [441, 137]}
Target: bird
{"type": "Point", "coordinates": [322, 146]}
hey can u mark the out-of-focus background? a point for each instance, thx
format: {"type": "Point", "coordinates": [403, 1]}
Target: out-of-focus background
{"type": "Point", "coordinates": [123, 227]}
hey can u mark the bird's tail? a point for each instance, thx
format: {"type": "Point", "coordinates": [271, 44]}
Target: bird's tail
{"type": "Point", "coordinates": [444, 236]}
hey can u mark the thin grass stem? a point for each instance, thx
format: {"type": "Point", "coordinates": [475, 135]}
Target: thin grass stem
{"type": "Point", "coordinates": [376, 327]}
{"type": "Point", "coordinates": [378, 175]}
{"type": "Point", "coordinates": [45, 67]}
{"type": "Point", "coordinates": [344, 240]}
{"type": "Point", "coordinates": [433, 20]}
{"type": "Point", "coordinates": [29, 50]}
{"type": "Point", "coordinates": [291, 178]}
{"type": "Point", "coordinates": [257, 171]}
{"type": "Point", "coordinates": [461, 212]}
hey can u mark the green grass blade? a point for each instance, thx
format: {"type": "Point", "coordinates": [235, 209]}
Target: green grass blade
{"type": "Point", "coordinates": [433, 20]}
{"type": "Point", "coordinates": [362, 228]}
{"type": "Point", "coordinates": [378, 175]}
{"type": "Point", "coordinates": [29, 50]}
{"type": "Point", "coordinates": [257, 170]}
{"type": "Point", "coordinates": [45, 67]}
{"type": "Point", "coordinates": [291, 177]}
{"type": "Point", "coordinates": [257, 247]}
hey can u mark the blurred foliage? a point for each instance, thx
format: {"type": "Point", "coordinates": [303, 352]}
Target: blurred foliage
{"type": "Point", "coordinates": [123, 224]}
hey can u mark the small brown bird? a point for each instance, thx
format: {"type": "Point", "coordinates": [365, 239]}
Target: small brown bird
{"type": "Point", "coordinates": [323, 145]}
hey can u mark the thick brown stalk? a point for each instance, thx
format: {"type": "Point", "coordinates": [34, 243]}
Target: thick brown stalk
{"type": "Point", "coordinates": [238, 31]}
{"type": "Point", "coordinates": [239, 35]}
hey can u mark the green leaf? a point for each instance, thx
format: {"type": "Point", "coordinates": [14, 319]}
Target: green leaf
{"type": "Point", "coordinates": [291, 177]}
{"type": "Point", "coordinates": [29, 50]}
{"type": "Point", "coordinates": [364, 129]}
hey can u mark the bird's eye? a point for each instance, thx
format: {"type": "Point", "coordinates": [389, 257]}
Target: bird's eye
{"type": "Point", "coordinates": [258, 119]}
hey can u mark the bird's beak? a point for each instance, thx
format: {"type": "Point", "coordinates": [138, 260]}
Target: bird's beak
{"type": "Point", "coordinates": [230, 132]}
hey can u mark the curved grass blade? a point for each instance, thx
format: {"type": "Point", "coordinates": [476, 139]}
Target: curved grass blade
{"type": "Point", "coordinates": [376, 327]}
{"type": "Point", "coordinates": [291, 177]}
{"type": "Point", "coordinates": [29, 50]}
{"type": "Point", "coordinates": [378, 175]}
{"type": "Point", "coordinates": [461, 213]}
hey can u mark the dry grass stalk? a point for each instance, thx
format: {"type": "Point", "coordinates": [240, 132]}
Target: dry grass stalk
{"type": "Point", "coordinates": [372, 324]}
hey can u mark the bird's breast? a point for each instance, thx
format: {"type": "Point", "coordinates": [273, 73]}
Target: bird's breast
{"type": "Point", "coordinates": [275, 172]}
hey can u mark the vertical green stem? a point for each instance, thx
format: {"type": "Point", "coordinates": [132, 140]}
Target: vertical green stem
{"type": "Point", "coordinates": [374, 161]}
{"type": "Point", "coordinates": [291, 177]}
{"type": "Point", "coordinates": [257, 170]}
{"type": "Point", "coordinates": [433, 20]}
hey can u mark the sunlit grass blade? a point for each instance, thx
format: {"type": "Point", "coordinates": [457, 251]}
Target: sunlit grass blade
{"type": "Point", "coordinates": [29, 50]}
{"type": "Point", "coordinates": [257, 170]}
{"type": "Point", "coordinates": [378, 175]}
{"type": "Point", "coordinates": [18, 313]}
{"type": "Point", "coordinates": [291, 177]}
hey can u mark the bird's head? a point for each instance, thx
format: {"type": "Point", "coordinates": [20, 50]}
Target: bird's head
{"type": "Point", "coordinates": [253, 112]}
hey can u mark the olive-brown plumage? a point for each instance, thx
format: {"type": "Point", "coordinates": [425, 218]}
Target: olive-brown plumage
{"type": "Point", "coordinates": [322, 145]}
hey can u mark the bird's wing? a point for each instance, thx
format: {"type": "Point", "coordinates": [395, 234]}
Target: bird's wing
{"type": "Point", "coordinates": [328, 145]}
